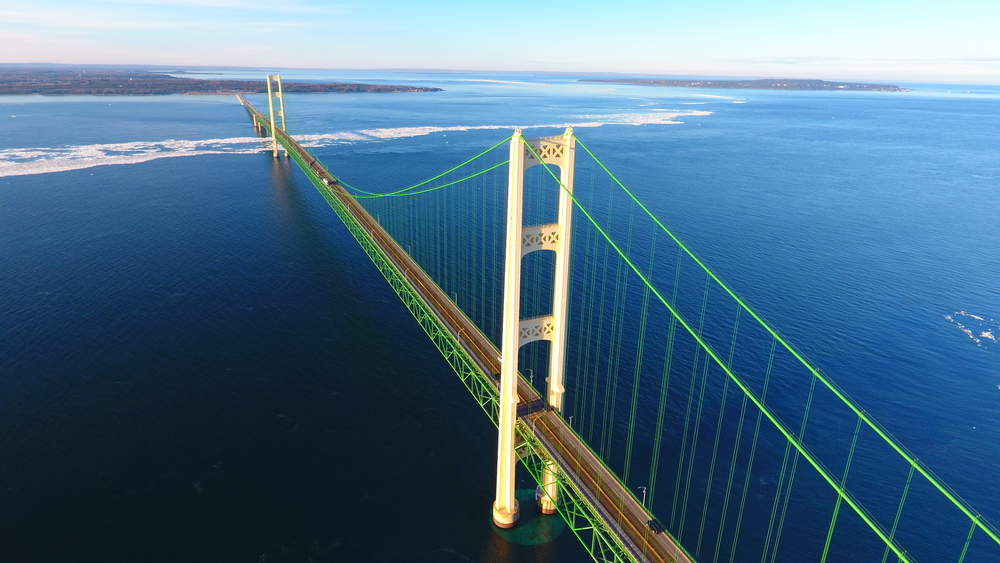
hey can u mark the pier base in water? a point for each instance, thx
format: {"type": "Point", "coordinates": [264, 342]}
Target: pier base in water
{"type": "Point", "coordinates": [545, 504]}
{"type": "Point", "coordinates": [505, 519]}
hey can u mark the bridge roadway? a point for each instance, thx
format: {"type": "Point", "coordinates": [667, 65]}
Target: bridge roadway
{"type": "Point", "coordinates": [603, 491]}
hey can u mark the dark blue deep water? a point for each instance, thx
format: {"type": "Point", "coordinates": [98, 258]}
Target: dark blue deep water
{"type": "Point", "coordinates": [198, 363]}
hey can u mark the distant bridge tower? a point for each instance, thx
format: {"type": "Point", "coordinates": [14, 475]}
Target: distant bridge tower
{"type": "Point", "coordinates": [281, 111]}
{"type": "Point", "coordinates": [522, 240]}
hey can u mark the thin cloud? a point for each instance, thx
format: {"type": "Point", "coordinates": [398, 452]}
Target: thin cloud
{"type": "Point", "coordinates": [86, 20]}
{"type": "Point", "coordinates": [17, 36]}
{"type": "Point", "coordinates": [278, 7]}
{"type": "Point", "coordinates": [94, 19]}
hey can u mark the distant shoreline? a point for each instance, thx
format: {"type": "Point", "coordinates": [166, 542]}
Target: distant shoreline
{"type": "Point", "coordinates": [764, 84]}
{"type": "Point", "coordinates": [64, 82]}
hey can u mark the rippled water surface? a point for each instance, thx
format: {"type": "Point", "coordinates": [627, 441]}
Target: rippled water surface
{"type": "Point", "coordinates": [198, 363]}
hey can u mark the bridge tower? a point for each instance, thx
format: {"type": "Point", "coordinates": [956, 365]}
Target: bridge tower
{"type": "Point", "coordinates": [522, 240]}
{"type": "Point", "coordinates": [280, 94]}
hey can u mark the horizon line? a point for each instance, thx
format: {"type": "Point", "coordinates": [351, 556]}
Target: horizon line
{"type": "Point", "coordinates": [421, 70]}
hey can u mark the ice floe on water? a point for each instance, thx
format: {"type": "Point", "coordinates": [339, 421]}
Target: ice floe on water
{"type": "Point", "coordinates": [20, 162]}
{"type": "Point", "coordinates": [658, 117]}
{"type": "Point", "coordinates": [982, 330]}
{"type": "Point", "coordinates": [40, 160]}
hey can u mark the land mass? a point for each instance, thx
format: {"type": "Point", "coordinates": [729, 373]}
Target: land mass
{"type": "Point", "coordinates": [93, 82]}
{"type": "Point", "coordinates": [763, 84]}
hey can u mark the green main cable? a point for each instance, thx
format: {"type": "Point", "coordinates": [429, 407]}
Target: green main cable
{"type": "Point", "coordinates": [427, 181]}
{"type": "Point", "coordinates": [884, 434]}
{"type": "Point", "coordinates": [799, 446]}
{"type": "Point", "coordinates": [435, 188]}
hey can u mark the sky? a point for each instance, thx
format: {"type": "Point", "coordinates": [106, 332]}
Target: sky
{"type": "Point", "coordinates": [911, 41]}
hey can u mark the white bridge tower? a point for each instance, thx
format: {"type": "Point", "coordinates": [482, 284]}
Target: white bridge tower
{"type": "Point", "coordinates": [522, 240]}
{"type": "Point", "coordinates": [280, 94]}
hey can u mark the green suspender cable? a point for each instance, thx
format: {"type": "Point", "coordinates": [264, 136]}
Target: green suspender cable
{"type": "Point", "coordinates": [638, 366]}
{"type": "Point", "coordinates": [600, 332]}
{"type": "Point", "coordinates": [792, 473]}
{"type": "Point", "coordinates": [585, 306]}
{"type": "Point", "coordinates": [870, 422]}
{"type": "Point", "coordinates": [718, 433]}
{"type": "Point", "coordinates": [899, 511]}
{"type": "Point", "coordinates": [614, 346]}
{"type": "Point", "coordinates": [753, 453]}
{"type": "Point", "coordinates": [843, 482]}
{"type": "Point", "coordinates": [664, 391]}
{"type": "Point", "coordinates": [732, 472]}
{"type": "Point", "coordinates": [701, 406]}
{"type": "Point", "coordinates": [789, 436]}
{"type": "Point", "coordinates": [586, 332]}
{"type": "Point", "coordinates": [687, 420]}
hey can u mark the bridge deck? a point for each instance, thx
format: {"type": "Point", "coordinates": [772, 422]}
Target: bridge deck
{"type": "Point", "coordinates": [604, 492]}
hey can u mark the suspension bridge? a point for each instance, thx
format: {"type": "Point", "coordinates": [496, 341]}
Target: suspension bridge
{"type": "Point", "coordinates": [659, 415]}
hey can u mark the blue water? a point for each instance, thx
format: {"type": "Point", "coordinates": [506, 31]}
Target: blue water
{"type": "Point", "coordinates": [198, 362]}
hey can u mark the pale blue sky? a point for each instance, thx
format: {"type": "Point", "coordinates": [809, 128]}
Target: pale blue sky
{"type": "Point", "coordinates": [837, 39]}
